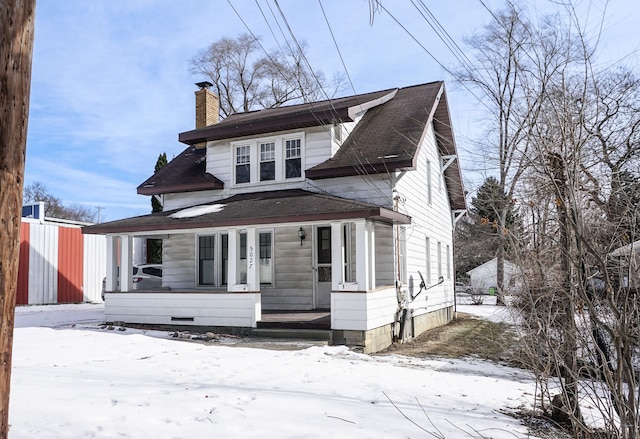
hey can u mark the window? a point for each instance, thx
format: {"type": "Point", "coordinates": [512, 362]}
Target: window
{"type": "Point", "coordinates": [243, 164]}
{"type": "Point", "coordinates": [427, 245]}
{"type": "Point", "coordinates": [224, 259]}
{"type": "Point", "coordinates": [267, 161]}
{"type": "Point", "coordinates": [266, 258]}
{"type": "Point", "coordinates": [448, 262]}
{"type": "Point", "coordinates": [242, 263]}
{"type": "Point", "coordinates": [293, 161]}
{"type": "Point", "coordinates": [439, 260]}
{"type": "Point", "coordinates": [206, 260]}
{"type": "Point", "coordinates": [213, 256]}
{"type": "Point", "coordinates": [428, 182]}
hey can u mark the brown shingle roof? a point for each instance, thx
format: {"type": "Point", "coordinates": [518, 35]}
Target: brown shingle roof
{"type": "Point", "coordinates": [272, 207]}
{"type": "Point", "coordinates": [388, 136]}
{"type": "Point", "coordinates": [386, 139]}
{"type": "Point", "coordinates": [186, 172]}
{"type": "Point", "coordinates": [284, 118]}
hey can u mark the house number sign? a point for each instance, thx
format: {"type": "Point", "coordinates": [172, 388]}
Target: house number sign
{"type": "Point", "coordinates": [251, 255]}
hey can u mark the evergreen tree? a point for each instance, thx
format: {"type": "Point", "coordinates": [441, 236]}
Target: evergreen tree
{"type": "Point", "coordinates": [154, 246]}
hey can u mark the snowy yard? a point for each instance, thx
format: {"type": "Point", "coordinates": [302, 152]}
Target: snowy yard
{"type": "Point", "coordinates": [73, 379]}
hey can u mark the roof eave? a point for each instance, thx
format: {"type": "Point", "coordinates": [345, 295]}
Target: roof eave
{"type": "Point", "coordinates": [377, 214]}
{"type": "Point", "coordinates": [348, 171]}
{"type": "Point", "coordinates": [248, 128]}
{"type": "Point", "coordinates": [166, 189]}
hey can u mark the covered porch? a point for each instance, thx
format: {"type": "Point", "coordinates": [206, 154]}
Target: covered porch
{"type": "Point", "coordinates": [230, 272]}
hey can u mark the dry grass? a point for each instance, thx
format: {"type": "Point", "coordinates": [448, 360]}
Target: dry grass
{"type": "Point", "coordinates": [466, 336]}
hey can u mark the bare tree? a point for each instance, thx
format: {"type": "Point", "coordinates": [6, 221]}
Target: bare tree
{"type": "Point", "coordinates": [16, 48]}
{"type": "Point", "coordinates": [53, 206]}
{"type": "Point", "coordinates": [502, 51]}
{"type": "Point", "coordinates": [247, 78]}
{"type": "Point", "coordinates": [568, 145]}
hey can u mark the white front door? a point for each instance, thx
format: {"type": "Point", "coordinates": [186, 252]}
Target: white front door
{"type": "Point", "coordinates": [323, 268]}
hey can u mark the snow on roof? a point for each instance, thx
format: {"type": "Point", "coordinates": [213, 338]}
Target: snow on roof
{"type": "Point", "coordinates": [197, 211]}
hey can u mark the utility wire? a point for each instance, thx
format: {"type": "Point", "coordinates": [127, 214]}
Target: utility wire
{"type": "Point", "coordinates": [337, 47]}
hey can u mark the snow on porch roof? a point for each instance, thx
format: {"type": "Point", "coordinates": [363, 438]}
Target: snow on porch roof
{"type": "Point", "coordinates": [255, 209]}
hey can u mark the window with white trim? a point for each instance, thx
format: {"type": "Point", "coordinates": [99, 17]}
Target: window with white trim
{"type": "Point", "coordinates": [439, 260]}
{"type": "Point", "coordinates": [267, 161]}
{"type": "Point", "coordinates": [207, 260]}
{"type": "Point", "coordinates": [266, 258]}
{"type": "Point", "coordinates": [429, 198]}
{"type": "Point", "coordinates": [427, 245]}
{"type": "Point", "coordinates": [448, 261]}
{"type": "Point", "coordinates": [243, 164]}
{"type": "Point", "coordinates": [213, 260]}
{"type": "Point", "coordinates": [293, 158]}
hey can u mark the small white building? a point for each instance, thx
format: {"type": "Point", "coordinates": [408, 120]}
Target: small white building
{"type": "Point", "coordinates": [340, 206]}
{"type": "Point", "coordinates": [484, 277]}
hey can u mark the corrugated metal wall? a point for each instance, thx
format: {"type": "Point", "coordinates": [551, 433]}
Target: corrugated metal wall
{"type": "Point", "coordinates": [59, 265]}
{"type": "Point", "coordinates": [22, 293]}
{"type": "Point", "coordinates": [70, 265]}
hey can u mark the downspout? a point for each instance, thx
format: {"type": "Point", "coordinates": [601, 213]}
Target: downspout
{"type": "Point", "coordinates": [401, 296]}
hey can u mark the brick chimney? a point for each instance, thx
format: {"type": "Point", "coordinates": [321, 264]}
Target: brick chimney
{"type": "Point", "coordinates": [207, 107]}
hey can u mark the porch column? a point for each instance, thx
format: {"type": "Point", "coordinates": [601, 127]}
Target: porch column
{"type": "Point", "coordinates": [126, 263]}
{"type": "Point", "coordinates": [365, 256]}
{"type": "Point", "coordinates": [112, 263]}
{"type": "Point", "coordinates": [337, 256]}
{"type": "Point", "coordinates": [232, 261]}
{"type": "Point", "coordinates": [253, 260]}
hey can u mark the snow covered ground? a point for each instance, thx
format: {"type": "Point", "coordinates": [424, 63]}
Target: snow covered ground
{"type": "Point", "coordinates": [73, 379]}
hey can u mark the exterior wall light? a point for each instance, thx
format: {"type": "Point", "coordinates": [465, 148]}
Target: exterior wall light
{"type": "Point", "coordinates": [301, 235]}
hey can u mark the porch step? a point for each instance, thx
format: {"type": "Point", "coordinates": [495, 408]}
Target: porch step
{"type": "Point", "coordinates": [293, 334]}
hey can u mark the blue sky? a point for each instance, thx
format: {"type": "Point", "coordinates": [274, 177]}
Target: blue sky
{"type": "Point", "coordinates": [111, 87]}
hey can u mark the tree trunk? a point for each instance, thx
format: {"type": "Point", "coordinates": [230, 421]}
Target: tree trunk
{"type": "Point", "coordinates": [16, 48]}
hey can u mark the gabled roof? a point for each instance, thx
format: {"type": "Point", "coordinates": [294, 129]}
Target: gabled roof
{"type": "Point", "coordinates": [186, 172]}
{"type": "Point", "coordinates": [388, 137]}
{"type": "Point", "coordinates": [274, 207]}
{"type": "Point", "coordinates": [287, 117]}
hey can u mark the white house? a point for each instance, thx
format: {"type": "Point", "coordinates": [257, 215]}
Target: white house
{"type": "Point", "coordinates": [628, 259]}
{"type": "Point", "coordinates": [484, 277]}
{"type": "Point", "coordinates": [341, 205]}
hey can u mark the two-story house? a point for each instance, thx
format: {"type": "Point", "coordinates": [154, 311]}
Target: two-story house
{"type": "Point", "coordinates": [343, 205]}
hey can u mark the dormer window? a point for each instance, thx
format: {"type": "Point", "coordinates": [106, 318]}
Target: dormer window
{"type": "Point", "coordinates": [293, 159]}
{"type": "Point", "coordinates": [268, 160]}
{"type": "Point", "coordinates": [243, 164]}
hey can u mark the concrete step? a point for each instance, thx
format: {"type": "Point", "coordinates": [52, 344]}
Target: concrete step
{"type": "Point", "coordinates": [293, 334]}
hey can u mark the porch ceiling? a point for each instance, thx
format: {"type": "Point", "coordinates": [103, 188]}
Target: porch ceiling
{"type": "Point", "coordinates": [255, 209]}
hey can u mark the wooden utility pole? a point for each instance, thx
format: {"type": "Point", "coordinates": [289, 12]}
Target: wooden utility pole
{"type": "Point", "coordinates": [16, 49]}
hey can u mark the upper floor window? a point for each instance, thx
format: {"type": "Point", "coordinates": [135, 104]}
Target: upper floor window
{"type": "Point", "coordinates": [267, 161]}
{"type": "Point", "coordinates": [243, 164]}
{"type": "Point", "coordinates": [273, 159]}
{"type": "Point", "coordinates": [293, 159]}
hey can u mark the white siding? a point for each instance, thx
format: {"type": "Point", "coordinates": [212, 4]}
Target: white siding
{"type": "Point", "coordinates": [178, 261]}
{"type": "Point", "coordinates": [94, 267]}
{"type": "Point", "coordinates": [375, 189]}
{"type": "Point", "coordinates": [43, 264]}
{"type": "Point", "coordinates": [428, 220]}
{"type": "Point", "coordinates": [293, 286]}
{"type": "Point", "coordinates": [385, 273]}
{"type": "Point", "coordinates": [193, 309]}
{"type": "Point", "coordinates": [363, 311]}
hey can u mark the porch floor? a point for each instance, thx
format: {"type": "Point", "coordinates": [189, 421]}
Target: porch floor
{"type": "Point", "coordinates": [315, 319]}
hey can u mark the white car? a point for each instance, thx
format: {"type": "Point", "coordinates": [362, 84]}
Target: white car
{"type": "Point", "coordinates": [144, 277]}
{"type": "Point", "coordinates": [463, 288]}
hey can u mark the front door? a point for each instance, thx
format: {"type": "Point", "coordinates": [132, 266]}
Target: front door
{"type": "Point", "coordinates": [323, 268]}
